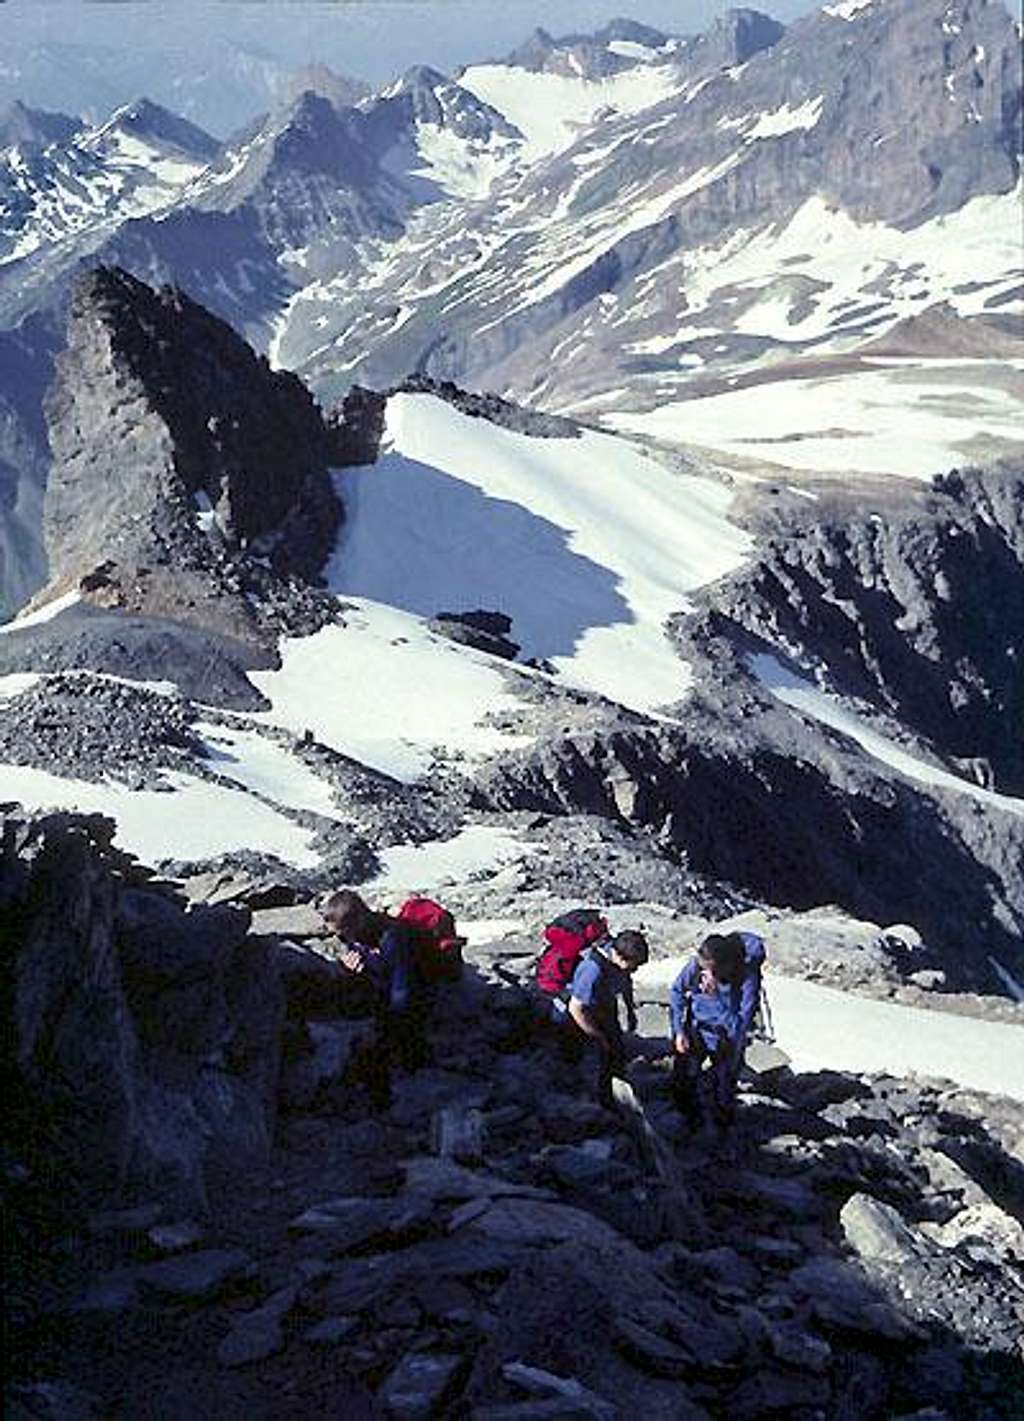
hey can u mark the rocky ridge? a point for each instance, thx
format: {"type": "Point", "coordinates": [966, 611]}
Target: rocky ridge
{"type": "Point", "coordinates": [211, 464]}
{"type": "Point", "coordinates": [857, 1251]}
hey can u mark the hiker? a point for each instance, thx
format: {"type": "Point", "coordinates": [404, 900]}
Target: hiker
{"type": "Point", "coordinates": [384, 949]}
{"type": "Point", "coordinates": [604, 974]}
{"type": "Point", "coordinates": [713, 1002]}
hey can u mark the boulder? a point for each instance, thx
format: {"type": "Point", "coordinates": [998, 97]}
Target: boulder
{"type": "Point", "coordinates": [194, 1276]}
{"type": "Point", "coordinates": [877, 1232]}
{"type": "Point", "coordinates": [418, 1386]}
{"type": "Point", "coordinates": [257, 1334]}
{"type": "Point", "coordinates": [141, 1037]}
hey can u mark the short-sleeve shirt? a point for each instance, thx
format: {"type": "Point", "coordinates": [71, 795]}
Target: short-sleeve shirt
{"type": "Point", "coordinates": [597, 984]}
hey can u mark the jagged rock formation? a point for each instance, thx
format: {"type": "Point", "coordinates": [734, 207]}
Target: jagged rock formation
{"type": "Point", "coordinates": [140, 1040]}
{"type": "Point", "coordinates": [176, 450]}
{"type": "Point", "coordinates": [915, 607]}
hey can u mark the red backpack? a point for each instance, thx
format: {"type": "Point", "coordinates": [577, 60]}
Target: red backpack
{"type": "Point", "coordinates": [568, 937]}
{"type": "Point", "coordinates": [438, 945]}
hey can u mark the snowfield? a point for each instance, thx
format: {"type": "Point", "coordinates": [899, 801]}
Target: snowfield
{"type": "Point", "coordinates": [387, 692]}
{"type": "Point", "coordinates": [587, 544]}
{"type": "Point", "coordinates": [191, 819]}
{"type": "Point", "coordinates": [551, 109]}
{"type": "Point", "coordinates": [825, 1029]}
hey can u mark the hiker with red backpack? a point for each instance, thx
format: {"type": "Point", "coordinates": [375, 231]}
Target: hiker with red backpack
{"type": "Point", "coordinates": [713, 1003]}
{"type": "Point", "coordinates": [603, 977]}
{"type": "Point", "coordinates": [402, 956]}
{"type": "Point", "coordinates": [581, 976]}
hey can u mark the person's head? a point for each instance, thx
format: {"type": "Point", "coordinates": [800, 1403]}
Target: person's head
{"type": "Point", "coordinates": [629, 949]}
{"type": "Point", "coordinates": [724, 955]}
{"type": "Point", "coordinates": [347, 915]}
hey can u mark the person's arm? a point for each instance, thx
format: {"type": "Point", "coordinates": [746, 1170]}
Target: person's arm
{"type": "Point", "coordinates": [750, 995]}
{"type": "Point", "coordinates": [396, 959]}
{"type": "Point", "coordinates": [678, 996]}
{"type": "Point", "coordinates": [582, 996]}
{"type": "Point", "coordinates": [581, 1015]}
{"type": "Point", "coordinates": [629, 1001]}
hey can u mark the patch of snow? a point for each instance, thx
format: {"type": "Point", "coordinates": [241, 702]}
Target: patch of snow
{"type": "Point", "coordinates": [474, 853]}
{"type": "Point", "coordinates": [17, 682]}
{"type": "Point", "coordinates": [192, 819]}
{"type": "Point", "coordinates": [822, 1028]}
{"type": "Point", "coordinates": [383, 689]}
{"type": "Point", "coordinates": [551, 109]}
{"type": "Point", "coordinates": [847, 9]}
{"type": "Point", "coordinates": [862, 422]}
{"type": "Point", "coordinates": [205, 515]}
{"type": "Point", "coordinates": [630, 49]}
{"type": "Point", "coordinates": [802, 695]}
{"type": "Point", "coordinates": [787, 120]}
{"type": "Point", "coordinates": [1009, 981]}
{"type": "Point", "coordinates": [586, 543]}
{"type": "Point", "coordinates": [42, 614]}
{"type": "Point", "coordinates": [257, 763]}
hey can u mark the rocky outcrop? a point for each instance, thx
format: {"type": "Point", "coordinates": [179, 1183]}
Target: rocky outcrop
{"type": "Point", "coordinates": [176, 451]}
{"type": "Point", "coordinates": [786, 814]}
{"type": "Point", "coordinates": [140, 1040]}
{"type": "Point", "coordinates": [915, 607]}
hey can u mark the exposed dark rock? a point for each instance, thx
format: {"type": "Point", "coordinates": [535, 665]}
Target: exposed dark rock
{"type": "Point", "coordinates": [136, 1067]}
{"type": "Point", "coordinates": [487, 631]}
{"type": "Point", "coordinates": [916, 611]}
{"type": "Point", "coordinates": [356, 427]}
{"type": "Point", "coordinates": [185, 426]}
{"type": "Point", "coordinates": [491, 407]}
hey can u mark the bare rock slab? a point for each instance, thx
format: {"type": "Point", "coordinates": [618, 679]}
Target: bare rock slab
{"type": "Point", "coordinates": [258, 1334]}
{"type": "Point", "coordinates": [417, 1387]}
{"type": "Point", "coordinates": [194, 1276]}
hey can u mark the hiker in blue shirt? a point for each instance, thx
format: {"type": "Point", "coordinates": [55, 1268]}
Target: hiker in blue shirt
{"type": "Point", "coordinates": [713, 1003]}
{"type": "Point", "coordinates": [384, 950]}
{"type": "Point", "coordinates": [602, 977]}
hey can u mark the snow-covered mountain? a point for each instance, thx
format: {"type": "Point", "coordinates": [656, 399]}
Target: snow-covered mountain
{"type": "Point", "coordinates": [59, 179]}
{"type": "Point", "coordinates": [763, 224]}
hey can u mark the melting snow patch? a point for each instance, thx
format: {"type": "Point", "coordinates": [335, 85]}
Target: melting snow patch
{"type": "Point", "coordinates": [787, 120]}
{"type": "Point", "coordinates": [190, 820]}
{"type": "Point", "coordinates": [383, 689]}
{"type": "Point", "coordinates": [42, 614]}
{"type": "Point", "coordinates": [550, 109]}
{"type": "Point", "coordinates": [475, 853]}
{"type": "Point", "coordinates": [257, 763]}
{"type": "Point", "coordinates": [847, 9]}
{"type": "Point", "coordinates": [825, 1029]}
{"type": "Point", "coordinates": [802, 695]}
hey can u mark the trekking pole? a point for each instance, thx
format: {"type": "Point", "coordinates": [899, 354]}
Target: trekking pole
{"type": "Point", "coordinates": [766, 1012]}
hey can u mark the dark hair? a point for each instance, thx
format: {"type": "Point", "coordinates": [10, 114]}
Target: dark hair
{"type": "Point", "coordinates": [727, 954]}
{"type": "Point", "coordinates": [345, 912]}
{"type": "Point", "coordinates": [631, 946]}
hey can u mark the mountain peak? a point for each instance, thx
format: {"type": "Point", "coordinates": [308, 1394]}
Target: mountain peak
{"type": "Point", "coordinates": [34, 128]}
{"type": "Point", "coordinates": [150, 122]}
{"type": "Point", "coordinates": [206, 420]}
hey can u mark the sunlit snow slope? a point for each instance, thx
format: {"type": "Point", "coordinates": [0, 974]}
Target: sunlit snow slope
{"type": "Point", "coordinates": [587, 544]}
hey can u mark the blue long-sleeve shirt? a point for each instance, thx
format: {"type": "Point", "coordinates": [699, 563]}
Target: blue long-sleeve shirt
{"type": "Point", "coordinates": [391, 967]}
{"type": "Point", "coordinates": [726, 1013]}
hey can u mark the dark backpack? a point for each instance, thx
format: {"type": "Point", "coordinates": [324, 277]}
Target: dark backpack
{"type": "Point", "coordinates": [568, 937]}
{"type": "Point", "coordinates": [437, 944]}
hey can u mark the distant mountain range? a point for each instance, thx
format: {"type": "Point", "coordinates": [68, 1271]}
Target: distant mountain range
{"type": "Point", "coordinates": [684, 237]}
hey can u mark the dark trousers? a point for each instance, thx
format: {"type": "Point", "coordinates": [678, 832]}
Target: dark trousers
{"type": "Point", "coordinates": [704, 1081]}
{"type": "Point", "coordinates": [399, 1045]}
